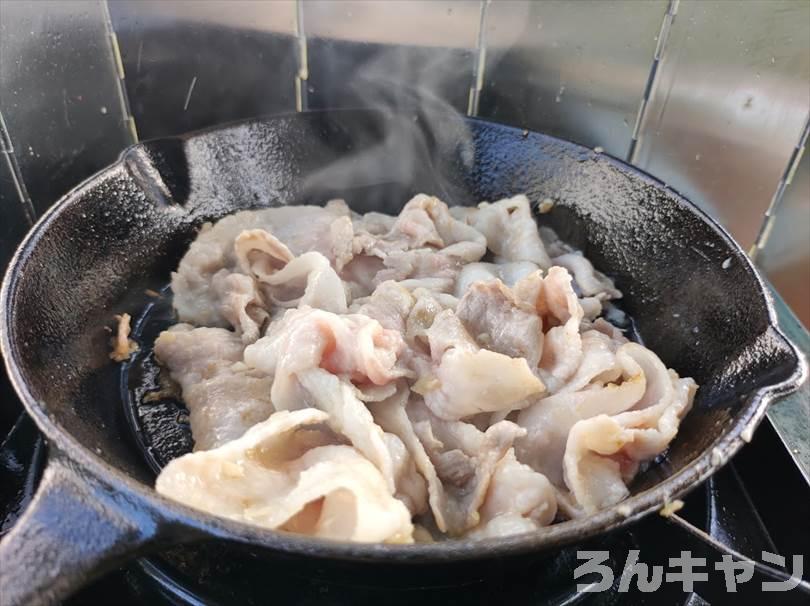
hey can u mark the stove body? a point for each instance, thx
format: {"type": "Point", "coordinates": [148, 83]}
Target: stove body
{"type": "Point", "coordinates": [711, 97]}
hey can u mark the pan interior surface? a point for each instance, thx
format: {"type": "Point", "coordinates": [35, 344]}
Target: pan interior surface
{"type": "Point", "coordinates": [694, 297]}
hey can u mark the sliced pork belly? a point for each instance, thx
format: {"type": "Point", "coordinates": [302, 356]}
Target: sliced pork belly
{"type": "Point", "coordinates": [471, 380]}
{"type": "Point", "coordinates": [555, 301]}
{"type": "Point", "coordinates": [589, 281]}
{"type": "Point", "coordinates": [241, 303]}
{"type": "Point", "coordinates": [508, 273]}
{"type": "Point", "coordinates": [389, 304]}
{"type": "Point", "coordinates": [352, 346]}
{"type": "Point", "coordinates": [518, 500]}
{"type": "Point", "coordinates": [462, 460]}
{"type": "Point", "coordinates": [287, 473]}
{"type": "Point", "coordinates": [511, 232]}
{"type": "Point", "coordinates": [549, 420]}
{"type": "Point", "coordinates": [456, 459]}
{"type": "Point", "coordinates": [498, 321]}
{"type": "Point", "coordinates": [313, 355]}
{"type": "Point", "coordinates": [378, 369]}
{"type": "Point", "coordinates": [348, 416]}
{"type": "Point", "coordinates": [299, 228]}
{"type": "Point", "coordinates": [224, 397]}
{"type": "Point", "coordinates": [424, 241]}
{"type": "Point", "coordinates": [289, 281]}
{"type": "Point", "coordinates": [603, 453]}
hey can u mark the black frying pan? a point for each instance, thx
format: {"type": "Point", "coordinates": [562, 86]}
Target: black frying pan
{"type": "Point", "coordinates": [695, 297]}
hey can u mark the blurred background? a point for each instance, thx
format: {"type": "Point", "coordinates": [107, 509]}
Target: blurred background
{"type": "Point", "coordinates": [710, 96]}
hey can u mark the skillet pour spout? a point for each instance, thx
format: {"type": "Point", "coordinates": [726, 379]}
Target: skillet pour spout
{"type": "Point", "coordinates": [695, 297]}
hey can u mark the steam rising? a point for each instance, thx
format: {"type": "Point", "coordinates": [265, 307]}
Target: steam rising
{"type": "Point", "coordinates": [422, 132]}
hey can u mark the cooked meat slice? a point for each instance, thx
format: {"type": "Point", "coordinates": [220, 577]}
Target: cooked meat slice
{"type": "Point", "coordinates": [598, 363]}
{"type": "Point", "coordinates": [299, 229]}
{"type": "Point", "coordinates": [224, 397]}
{"type": "Point", "coordinates": [410, 485]}
{"type": "Point", "coordinates": [260, 254]}
{"type": "Point", "coordinates": [508, 273]}
{"type": "Point", "coordinates": [389, 304]}
{"type": "Point", "coordinates": [470, 380]}
{"type": "Point", "coordinates": [490, 312]}
{"type": "Point", "coordinates": [352, 346]}
{"type": "Point", "coordinates": [424, 241]}
{"type": "Point", "coordinates": [589, 282]}
{"type": "Point", "coordinates": [519, 500]}
{"type": "Point", "coordinates": [511, 232]}
{"type": "Point", "coordinates": [549, 420]}
{"type": "Point", "coordinates": [376, 224]}
{"type": "Point", "coordinates": [555, 301]}
{"type": "Point", "coordinates": [241, 304]}
{"type": "Point", "coordinates": [463, 459]}
{"type": "Point", "coordinates": [348, 416]}
{"type": "Point", "coordinates": [287, 473]}
{"type": "Point", "coordinates": [603, 453]}
{"type": "Point", "coordinates": [122, 346]}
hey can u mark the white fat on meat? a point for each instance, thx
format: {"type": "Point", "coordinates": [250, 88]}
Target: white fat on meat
{"type": "Point", "coordinates": [352, 346]}
{"type": "Point", "coordinates": [348, 416]}
{"type": "Point", "coordinates": [392, 417]}
{"type": "Point", "coordinates": [512, 321]}
{"type": "Point", "coordinates": [518, 500]}
{"type": "Point", "coordinates": [508, 273]}
{"type": "Point", "coordinates": [395, 304]}
{"type": "Point", "coordinates": [549, 420]}
{"type": "Point", "coordinates": [287, 473]}
{"type": "Point", "coordinates": [470, 380]}
{"type": "Point", "coordinates": [260, 253]}
{"type": "Point", "coordinates": [424, 241]}
{"type": "Point", "coordinates": [437, 286]}
{"type": "Point", "coordinates": [301, 229]}
{"type": "Point", "coordinates": [554, 300]}
{"type": "Point", "coordinates": [598, 363]}
{"type": "Point", "coordinates": [289, 281]}
{"type": "Point", "coordinates": [324, 229]}
{"type": "Point", "coordinates": [224, 397]}
{"type": "Point", "coordinates": [425, 221]}
{"type": "Point", "coordinates": [374, 223]}
{"type": "Point", "coordinates": [309, 351]}
{"type": "Point", "coordinates": [417, 263]}
{"type": "Point", "coordinates": [603, 453]}
{"type": "Point", "coordinates": [594, 439]}
{"type": "Point", "coordinates": [389, 304]}
{"type": "Point", "coordinates": [499, 322]}
{"type": "Point", "coordinates": [241, 303]}
{"type": "Point", "coordinates": [410, 486]}
{"type": "Point", "coordinates": [465, 459]}
{"type": "Point", "coordinates": [511, 232]}
{"type": "Point", "coordinates": [589, 281]}
{"type": "Point", "coordinates": [457, 459]}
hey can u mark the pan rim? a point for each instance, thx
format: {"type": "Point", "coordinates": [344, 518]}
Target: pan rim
{"type": "Point", "coordinates": [622, 514]}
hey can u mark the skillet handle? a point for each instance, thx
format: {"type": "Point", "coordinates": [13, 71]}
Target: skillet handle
{"type": "Point", "coordinates": [75, 527]}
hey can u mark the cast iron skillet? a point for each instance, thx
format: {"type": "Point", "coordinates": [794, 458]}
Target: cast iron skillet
{"type": "Point", "coordinates": [695, 297]}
